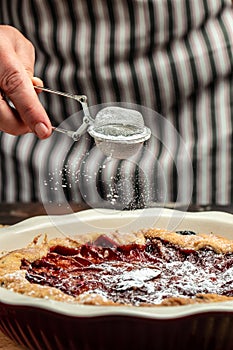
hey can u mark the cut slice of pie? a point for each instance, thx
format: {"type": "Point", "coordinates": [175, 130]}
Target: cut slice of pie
{"type": "Point", "coordinates": [148, 268]}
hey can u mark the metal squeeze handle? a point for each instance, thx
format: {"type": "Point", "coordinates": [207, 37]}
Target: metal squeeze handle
{"type": "Point", "coordinates": [116, 148]}
{"type": "Point", "coordinates": [80, 98]}
{"type": "Point", "coordinates": [87, 120]}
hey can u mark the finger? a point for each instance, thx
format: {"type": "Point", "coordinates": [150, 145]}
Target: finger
{"type": "Point", "coordinates": [18, 87]}
{"type": "Point", "coordinates": [10, 121]}
{"type": "Point", "coordinates": [16, 72]}
{"type": "Point", "coordinates": [37, 82]}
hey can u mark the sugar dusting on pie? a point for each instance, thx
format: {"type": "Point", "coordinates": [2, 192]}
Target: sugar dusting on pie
{"type": "Point", "coordinates": [152, 267]}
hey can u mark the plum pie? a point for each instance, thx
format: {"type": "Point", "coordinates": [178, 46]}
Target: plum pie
{"type": "Point", "coordinates": [151, 267]}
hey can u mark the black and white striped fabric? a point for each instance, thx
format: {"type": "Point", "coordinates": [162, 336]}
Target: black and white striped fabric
{"type": "Point", "coordinates": [173, 57]}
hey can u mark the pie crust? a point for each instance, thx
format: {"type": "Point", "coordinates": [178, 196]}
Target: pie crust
{"type": "Point", "coordinates": [201, 263]}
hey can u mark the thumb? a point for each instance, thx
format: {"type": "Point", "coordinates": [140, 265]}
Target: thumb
{"type": "Point", "coordinates": [18, 87]}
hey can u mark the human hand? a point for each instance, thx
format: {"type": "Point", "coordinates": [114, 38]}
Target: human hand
{"type": "Point", "coordinates": [17, 59]}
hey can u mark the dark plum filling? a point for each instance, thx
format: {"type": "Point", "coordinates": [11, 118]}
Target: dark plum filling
{"type": "Point", "coordinates": [134, 274]}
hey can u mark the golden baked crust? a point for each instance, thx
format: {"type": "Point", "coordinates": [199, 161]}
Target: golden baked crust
{"type": "Point", "coordinates": [199, 241]}
{"type": "Point", "coordinates": [12, 276]}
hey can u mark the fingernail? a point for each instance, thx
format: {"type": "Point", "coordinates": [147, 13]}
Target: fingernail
{"type": "Point", "coordinates": [41, 130]}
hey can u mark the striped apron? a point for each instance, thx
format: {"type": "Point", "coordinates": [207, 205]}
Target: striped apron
{"type": "Point", "coordinates": [171, 60]}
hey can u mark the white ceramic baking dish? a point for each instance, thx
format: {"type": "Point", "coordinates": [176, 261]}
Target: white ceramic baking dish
{"type": "Point", "coordinates": [44, 324]}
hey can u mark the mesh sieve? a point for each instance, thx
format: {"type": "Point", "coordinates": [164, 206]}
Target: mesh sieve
{"type": "Point", "coordinates": [118, 132]}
